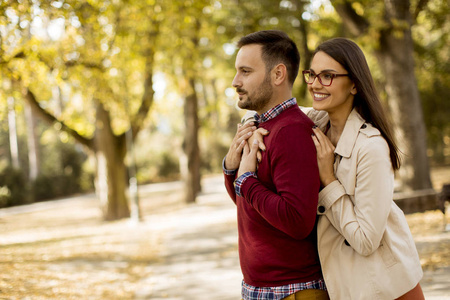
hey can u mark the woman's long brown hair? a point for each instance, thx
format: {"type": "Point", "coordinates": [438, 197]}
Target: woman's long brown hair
{"type": "Point", "coordinates": [367, 101]}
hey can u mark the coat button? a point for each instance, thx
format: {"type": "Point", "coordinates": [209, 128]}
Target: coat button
{"type": "Point", "coordinates": [346, 243]}
{"type": "Point", "coordinates": [321, 209]}
{"type": "Point", "coordinates": [363, 126]}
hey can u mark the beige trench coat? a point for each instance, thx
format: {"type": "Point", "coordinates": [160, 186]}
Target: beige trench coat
{"type": "Point", "coordinates": [365, 245]}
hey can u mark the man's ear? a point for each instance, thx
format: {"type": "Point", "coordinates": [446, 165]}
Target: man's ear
{"type": "Point", "coordinates": [279, 74]}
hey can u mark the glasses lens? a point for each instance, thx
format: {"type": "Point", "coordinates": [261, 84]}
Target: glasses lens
{"type": "Point", "coordinates": [326, 78]}
{"type": "Point", "coordinates": [308, 77]}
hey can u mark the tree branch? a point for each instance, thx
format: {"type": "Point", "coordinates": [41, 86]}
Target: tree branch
{"type": "Point", "coordinates": [420, 6]}
{"type": "Point", "coordinates": [49, 118]}
{"type": "Point", "coordinates": [89, 65]}
{"type": "Point", "coordinates": [147, 98]}
{"type": "Point", "coordinates": [19, 54]}
{"type": "Point", "coordinates": [355, 23]}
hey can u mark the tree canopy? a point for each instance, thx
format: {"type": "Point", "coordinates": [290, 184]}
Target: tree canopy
{"type": "Point", "coordinates": [99, 70]}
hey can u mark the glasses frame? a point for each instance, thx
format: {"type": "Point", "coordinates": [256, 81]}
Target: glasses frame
{"type": "Point", "coordinates": [333, 75]}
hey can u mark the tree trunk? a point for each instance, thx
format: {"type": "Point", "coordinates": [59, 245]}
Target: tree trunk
{"type": "Point", "coordinates": [190, 144]}
{"type": "Point", "coordinates": [111, 177]}
{"type": "Point", "coordinates": [306, 57]}
{"type": "Point", "coordinates": [33, 144]}
{"type": "Point", "coordinates": [395, 56]}
{"type": "Point", "coordinates": [13, 146]}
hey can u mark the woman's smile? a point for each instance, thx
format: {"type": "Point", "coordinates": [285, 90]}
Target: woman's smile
{"type": "Point", "coordinates": [320, 96]}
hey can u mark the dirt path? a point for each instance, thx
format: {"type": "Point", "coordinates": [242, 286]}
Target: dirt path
{"type": "Point", "coordinates": [62, 249]}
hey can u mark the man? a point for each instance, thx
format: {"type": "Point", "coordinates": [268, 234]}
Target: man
{"type": "Point", "coordinates": [276, 199]}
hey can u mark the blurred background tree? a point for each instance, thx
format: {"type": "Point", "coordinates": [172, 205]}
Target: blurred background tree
{"type": "Point", "coordinates": [142, 89]}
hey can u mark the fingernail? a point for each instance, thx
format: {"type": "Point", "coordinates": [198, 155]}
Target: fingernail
{"type": "Point", "coordinates": [314, 127]}
{"type": "Point", "coordinates": [250, 133]}
{"type": "Point", "coordinates": [312, 134]}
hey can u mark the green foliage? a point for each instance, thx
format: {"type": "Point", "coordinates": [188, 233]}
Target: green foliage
{"type": "Point", "coordinates": [61, 168]}
{"type": "Point", "coordinates": [163, 166]}
{"type": "Point", "coordinates": [13, 187]}
{"type": "Point", "coordinates": [168, 166]}
{"type": "Point", "coordinates": [215, 148]}
{"type": "Point", "coordinates": [104, 49]}
{"type": "Point", "coordinates": [432, 53]}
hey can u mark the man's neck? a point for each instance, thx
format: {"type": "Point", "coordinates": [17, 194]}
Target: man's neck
{"type": "Point", "coordinates": [276, 100]}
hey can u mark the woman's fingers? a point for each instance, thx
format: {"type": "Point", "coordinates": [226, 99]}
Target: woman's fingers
{"type": "Point", "coordinates": [254, 149]}
{"type": "Point", "coordinates": [259, 135]}
{"type": "Point", "coordinates": [322, 142]}
{"type": "Point", "coordinates": [325, 156]}
{"type": "Point", "coordinates": [248, 161]}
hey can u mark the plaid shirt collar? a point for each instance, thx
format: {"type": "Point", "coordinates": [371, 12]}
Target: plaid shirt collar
{"type": "Point", "coordinates": [275, 111]}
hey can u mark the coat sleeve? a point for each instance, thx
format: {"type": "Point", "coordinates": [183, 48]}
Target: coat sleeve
{"type": "Point", "coordinates": [363, 222]}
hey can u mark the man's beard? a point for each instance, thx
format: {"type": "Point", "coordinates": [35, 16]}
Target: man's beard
{"type": "Point", "coordinates": [260, 97]}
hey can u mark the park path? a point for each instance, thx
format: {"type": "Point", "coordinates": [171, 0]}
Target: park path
{"type": "Point", "coordinates": [200, 259]}
{"type": "Point", "coordinates": [197, 254]}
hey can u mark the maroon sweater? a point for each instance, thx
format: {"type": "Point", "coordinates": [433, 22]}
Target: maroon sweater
{"type": "Point", "coordinates": [277, 213]}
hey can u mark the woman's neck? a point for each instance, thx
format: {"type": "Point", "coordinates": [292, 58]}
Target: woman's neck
{"type": "Point", "coordinates": [337, 124]}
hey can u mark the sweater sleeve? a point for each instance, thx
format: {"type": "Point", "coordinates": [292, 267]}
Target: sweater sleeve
{"type": "Point", "coordinates": [363, 222]}
{"type": "Point", "coordinates": [292, 208]}
{"type": "Point", "coordinates": [230, 176]}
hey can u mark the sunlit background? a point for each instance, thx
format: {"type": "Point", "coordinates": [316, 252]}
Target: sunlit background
{"type": "Point", "coordinates": [99, 99]}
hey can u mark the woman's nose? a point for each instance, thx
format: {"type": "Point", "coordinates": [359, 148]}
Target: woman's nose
{"type": "Point", "coordinates": [316, 83]}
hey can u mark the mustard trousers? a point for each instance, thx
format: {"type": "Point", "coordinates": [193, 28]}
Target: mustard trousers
{"type": "Point", "coordinates": [309, 294]}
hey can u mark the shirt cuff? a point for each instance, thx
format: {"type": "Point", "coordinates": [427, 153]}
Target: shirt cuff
{"type": "Point", "coordinates": [225, 171]}
{"type": "Point", "coordinates": [240, 181]}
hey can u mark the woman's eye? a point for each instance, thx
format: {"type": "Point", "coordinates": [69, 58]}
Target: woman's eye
{"type": "Point", "coordinates": [327, 76]}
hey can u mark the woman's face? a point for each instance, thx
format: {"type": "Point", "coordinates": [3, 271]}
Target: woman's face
{"type": "Point", "coordinates": [338, 97]}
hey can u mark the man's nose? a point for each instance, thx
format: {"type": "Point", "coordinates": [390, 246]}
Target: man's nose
{"type": "Point", "coordinates": [236, 82]}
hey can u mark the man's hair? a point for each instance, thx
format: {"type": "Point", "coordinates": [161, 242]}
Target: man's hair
{"type": "Point", "coordinates": [277, 48]}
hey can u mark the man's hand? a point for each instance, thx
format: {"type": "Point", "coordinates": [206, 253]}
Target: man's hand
{"type": "Point", "coordinates": [234, 154]}
{"type": "Point", "coordinates": [248, 161]}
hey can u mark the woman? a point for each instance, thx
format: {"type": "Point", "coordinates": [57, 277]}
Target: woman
{"type": "Point", "coordinates": [365, 246]}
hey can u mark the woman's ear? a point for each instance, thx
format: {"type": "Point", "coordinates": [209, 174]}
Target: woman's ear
{"type": "Point", "coordinates": [354, 91]}
{"type": "Point", "coordinates": [279, 74]}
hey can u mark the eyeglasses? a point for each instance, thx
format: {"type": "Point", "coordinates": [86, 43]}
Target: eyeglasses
{"type": "Point", "coordinates": [325, 79]}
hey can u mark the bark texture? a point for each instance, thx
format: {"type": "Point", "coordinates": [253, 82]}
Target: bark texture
{"type": "Point", "coordinates": [395, 56]}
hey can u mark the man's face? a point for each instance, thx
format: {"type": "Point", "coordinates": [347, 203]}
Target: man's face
{"type": "Point", "coordinates": [252, 82]}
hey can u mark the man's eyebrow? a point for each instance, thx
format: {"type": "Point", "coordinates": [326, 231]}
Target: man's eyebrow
{"type": "Point", "coordinates": [244, 67]}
